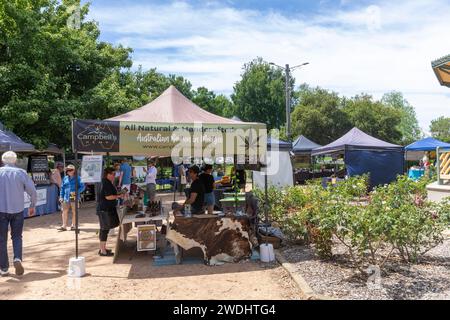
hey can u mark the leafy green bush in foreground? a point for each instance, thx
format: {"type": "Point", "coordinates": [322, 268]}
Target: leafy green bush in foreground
{"type": "Point", "coordinates": [395, 218]}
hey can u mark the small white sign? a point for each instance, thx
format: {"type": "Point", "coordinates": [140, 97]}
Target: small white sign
{"type": "Point", "coordinates": [41, 198]}
{"type": "Point", "coordinates": [91, 169]}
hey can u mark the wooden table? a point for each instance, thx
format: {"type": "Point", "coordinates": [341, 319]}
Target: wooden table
{"type": "Point", "coordinates": [231, 194]}
{"type": "Point", "coordinates": [126, 224]}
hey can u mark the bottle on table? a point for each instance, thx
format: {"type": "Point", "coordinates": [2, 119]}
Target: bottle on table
{"type": "Point", "coordinates": [187, 211]}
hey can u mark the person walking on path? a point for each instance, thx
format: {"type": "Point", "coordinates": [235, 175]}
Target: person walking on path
{"type": "Point", "coordinates": [67, 196]}
{"type": "Point", "coordinates": [13, 183]}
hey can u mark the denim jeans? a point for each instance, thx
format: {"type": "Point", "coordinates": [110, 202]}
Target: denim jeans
{"type": "Point", "coordinates": [14, 220]}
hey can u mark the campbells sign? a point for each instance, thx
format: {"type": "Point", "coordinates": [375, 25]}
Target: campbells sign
{"type": "Point", "coordinates": [196, 140]}
{"type": "Point", "coordinates": [96, 136]}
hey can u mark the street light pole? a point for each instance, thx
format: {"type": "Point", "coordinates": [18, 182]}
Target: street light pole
{"type": "Point", "coordinates": [288, 103]}
{"type": "Point", "coordinates": [287, 74]}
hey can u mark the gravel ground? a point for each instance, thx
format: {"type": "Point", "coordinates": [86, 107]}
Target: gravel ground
{"type": "Point", "coordinates": [429, 279]}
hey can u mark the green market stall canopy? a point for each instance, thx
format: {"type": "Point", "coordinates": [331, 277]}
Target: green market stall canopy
{"type": "Point", "coordinates": [441, 68]}
{"type": "Point", "coordinates": [170, 125]}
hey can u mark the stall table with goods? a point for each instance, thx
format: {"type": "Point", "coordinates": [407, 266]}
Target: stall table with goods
{"type": "Point", "coordinates": [149, 222]}
{"type": "Point", "coordinates": [47, 193]}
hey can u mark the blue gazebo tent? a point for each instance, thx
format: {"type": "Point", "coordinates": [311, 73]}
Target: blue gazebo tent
{"type": "Point", "coordinates": [10, 142]}
{"type": "Point", "coordinates": [366, 154]}
{"type": "Point", "coordinates": [303, 145]}
{"type": "Point", "coordinates": [427, 144]}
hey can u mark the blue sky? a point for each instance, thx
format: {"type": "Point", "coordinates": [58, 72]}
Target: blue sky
{"type": "Point", "coordinates": [352, 46]}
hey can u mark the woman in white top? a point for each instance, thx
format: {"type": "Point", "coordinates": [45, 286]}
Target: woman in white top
{"type": "Point", "coordinates": [183, 179]}
{"type": "Point", "coordinates": [150, 180]}
{"type": "Point", "coordinates": [116, 174]}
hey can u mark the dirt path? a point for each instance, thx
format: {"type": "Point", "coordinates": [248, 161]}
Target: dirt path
{"type": "Point", "coordinates": [47, 253]}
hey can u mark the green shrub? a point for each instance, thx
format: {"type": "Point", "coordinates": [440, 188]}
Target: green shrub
{"type": "Point", "coordinates": [396, 217]}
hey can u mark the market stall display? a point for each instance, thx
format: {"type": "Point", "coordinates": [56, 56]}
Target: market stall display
{"type": "Point", "coordinates": [168, 124]}
{"type": "Point", "coordinates": [364, 154]}
{"type": "Point", "coordinates": [37, 168]}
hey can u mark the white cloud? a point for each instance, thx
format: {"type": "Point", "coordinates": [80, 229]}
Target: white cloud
{"type": "Point", "coordinates": [382, 47]}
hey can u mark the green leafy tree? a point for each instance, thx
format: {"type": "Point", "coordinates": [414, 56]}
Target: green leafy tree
{"type": "Point", "coordinates": [260, 94]}
{"type": "Point", "coordinates": [49, 69]}
{"type": "Point", "coordinates": [205, 99]}
{"type": "Point", "coordinates": [408, 126]}
{"type": "Point", "coordinates": [374, 118]}
{"type": "Point", "coordinates": [319, 115]}
{"type": "Point", "coordinates": [440, 128]}
{"type": "Point", "coordinates": [217, 104]}
{"type": "Point", "coordinates": [224, 106]}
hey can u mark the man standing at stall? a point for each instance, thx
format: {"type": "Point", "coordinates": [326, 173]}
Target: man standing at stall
{"type": "Point", "coordinates": [150, 180]}
{"type": "Point", "coordinates": [13, 182]}
{"type": "Point", "coordinates": [125, 176]}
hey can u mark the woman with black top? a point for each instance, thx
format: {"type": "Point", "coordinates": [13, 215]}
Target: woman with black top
{"type": "Point", "coordinates": [196, 194]}
{"type": "Point", "coordinates": [107, 210]}
{"type": "Point", "coordinates": [208, 182]}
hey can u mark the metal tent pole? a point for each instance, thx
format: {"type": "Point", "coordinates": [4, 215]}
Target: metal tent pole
{"type": "Point", "coordinates": [76, 204]}
{"type": "Point", "coordinates": [266, 204]}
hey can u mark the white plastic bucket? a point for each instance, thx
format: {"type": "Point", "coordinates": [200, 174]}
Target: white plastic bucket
{"type": "Point", "coordinates": [77, 267]}
{"type": "Point", "coordinates": [266, 252]}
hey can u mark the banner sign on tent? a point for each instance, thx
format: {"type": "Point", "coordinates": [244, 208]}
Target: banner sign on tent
{"type": "Point", "coordinates": [91, 169]}
{"type": "Point", "coordinates": [170, 139]}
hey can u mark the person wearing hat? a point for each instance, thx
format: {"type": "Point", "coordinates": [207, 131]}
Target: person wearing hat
{"type": "Point", "coordinates": [13, 182]}
{"type": "Point", "coordinates": [57, 174]}
{"type": "Point", "coordinates": [196, 193]}
{"type": "Point", "coordinates": [67, 196]}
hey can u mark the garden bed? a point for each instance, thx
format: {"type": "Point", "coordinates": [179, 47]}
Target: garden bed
{"type": "Point", "coordinates": [337, 278]}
